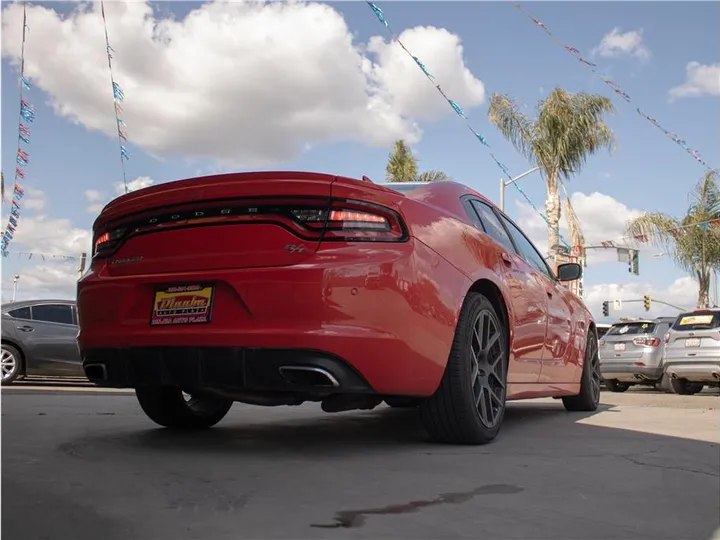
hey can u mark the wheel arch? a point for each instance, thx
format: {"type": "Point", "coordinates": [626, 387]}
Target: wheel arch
{"type": "Point", "coordinates": [23, 356]}
{"type": "Point", "coordinates": [493, 293]}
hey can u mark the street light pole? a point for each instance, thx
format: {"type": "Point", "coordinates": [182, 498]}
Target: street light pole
{"type": "Point", "coordinates": [505, 183]}
{"type": "Point", "coordinates": [15, 286]}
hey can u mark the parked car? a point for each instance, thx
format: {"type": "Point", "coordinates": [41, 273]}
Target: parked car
{"type": "Point", "coordinates": [276, 288]}
{"type": "Point", "coordinates": [39, 338]}
{"type": "Point", "coordinates": [631, 353]}
{"type": "Point", "coordinates": [692, 351]}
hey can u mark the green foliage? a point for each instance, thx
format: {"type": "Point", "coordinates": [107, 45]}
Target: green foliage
{"type": "Point", "coordinates": [694, 248]}
{"type": "Point", "coordinates": [402, 167]}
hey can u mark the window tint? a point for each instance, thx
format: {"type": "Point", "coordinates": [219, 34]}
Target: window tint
{"type": "Point", "coordinates": [492, 225]}
{"type": "Point", "coordinates": [20, 313]}
{"type": "Point", "coordinates": [527, 250]}
{"type": "Point", "coordinates": [698, 320]}
{"type": "Point", "coordinates": [56, 313]}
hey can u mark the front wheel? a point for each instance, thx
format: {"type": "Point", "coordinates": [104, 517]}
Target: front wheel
{"type": "Point", "coordinates": [617, 386]}
{"type": "Point", "coordinates": [589, 397]}
{"type": "Point", "coordinates": [469, 405]}
{"type": "Point", "coordinates": [171, 407]}
{"type": "Point", "coordinates": [685, 387]}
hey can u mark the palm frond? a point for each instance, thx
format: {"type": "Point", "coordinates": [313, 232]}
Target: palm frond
{"type": "Point", "coordinates": [516, 127]}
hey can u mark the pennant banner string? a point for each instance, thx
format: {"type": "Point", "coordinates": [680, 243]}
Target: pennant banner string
{"type": "Point", "coordinates": [458, 110]}
{"type": "Point", "coordinates": [42, 256]}
{"type": "Point", "coordinates": [613, 86]}
{"type": "Point", "coordinates": [26, 116]}
{"type": "Point", "coordinates": [118, 97]}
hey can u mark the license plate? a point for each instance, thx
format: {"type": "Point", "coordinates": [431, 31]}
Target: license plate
{"type": "Point", "coordinates": [619, 346]}
{"type": "Point", "coordinates": [182, 304]}
{"type": "Point", "coordinates": [692, 342]}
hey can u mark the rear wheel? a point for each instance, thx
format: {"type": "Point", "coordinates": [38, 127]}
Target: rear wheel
{"type": "Point", "coordinates": [616, 386]}
{"type": "Point", "coordinates": [685, 387]}
{"type": "Point", "coordinates": [469, 405]}
{"type": "Point", "coordinates": [173, 408]}
{"type": "Point", "coordinates": [589, 397]}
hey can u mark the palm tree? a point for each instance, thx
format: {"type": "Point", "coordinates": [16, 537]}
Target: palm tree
{"type": "Point", "coordinates": [693, 243]}
{"type": "Point", "coordinates": [402, 167]}
{"type": "Point", "coordinates": [566, 130]}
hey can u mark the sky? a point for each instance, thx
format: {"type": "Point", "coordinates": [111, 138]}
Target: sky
{"type": "Point", "coordinates": [219, 87]}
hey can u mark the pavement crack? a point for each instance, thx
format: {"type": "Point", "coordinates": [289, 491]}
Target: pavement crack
{"type": "Point", "coordinates": [669, 467]}
{"type": "Point", "coordinates": [348, 519]}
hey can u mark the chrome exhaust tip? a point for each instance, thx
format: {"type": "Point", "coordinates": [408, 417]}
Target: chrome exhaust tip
{"type": "Point", "coordinates": [96, 372]}
{"type": "Point", "coordinates": [308, 376]}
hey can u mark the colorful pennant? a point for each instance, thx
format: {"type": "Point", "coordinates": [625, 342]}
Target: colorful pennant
{"type": "Point", "coordinates": [613, 86]}
{"type": "Point", "coordinates": [118, 98]}
{"type": "Point", "coordinates": [458, 110]}
{"type": "Point", "coordinates": [44, 256]}
{"type": "Point", "coordinates": [22, 158]}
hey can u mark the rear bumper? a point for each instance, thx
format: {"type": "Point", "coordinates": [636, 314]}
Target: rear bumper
{"type": "Point", "coordinates": [695, 371]}
{"type": "Point", "coordinates": [223, 368]}
{"type": "Point", "coordinates": [630, 373]}
{"type": "Point", "coordinates": [389, 315]}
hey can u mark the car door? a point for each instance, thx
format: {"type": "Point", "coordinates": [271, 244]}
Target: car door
{"type": "Point", "coordinates": [527, 297]}
{"type": "Point", "coordinates": [50, 337]}
{"type": "Point", "coordinates": [558, 365]}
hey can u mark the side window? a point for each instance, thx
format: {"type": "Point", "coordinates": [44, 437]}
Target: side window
{"type": "Point", "coordinates": [20, 313]}
{"type": "Point", "coordinates": [492, 224]}
{"type": "Point", "coordinates": [55, 313]}
{"type": "Point", "coordinates": [527, 250]}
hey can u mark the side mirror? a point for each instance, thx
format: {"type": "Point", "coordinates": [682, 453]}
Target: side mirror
{"type": "Point", "coordinates": [569, 272]}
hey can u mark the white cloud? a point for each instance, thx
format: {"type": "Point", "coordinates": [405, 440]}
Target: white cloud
{"type": "Point", "coordinates": [601, 216]}
{"type": "Point", "coordinates": [42, 234]}
{"type": "Point", "coordinates": [93, 195]}
{"type": "Point", "coordinates": [52, 278]}
{"type": "Point", "coordinates": [140, 182]}
{"type": "Point", "coordinates": [682, 293]}
{"type": "Point", "coordinates": [616, 44]}
{"type": "Point", "coordinates": [246, 83]}
{"type": "Point", "coordinates": [700, 80]}
{"type": "Point", "coordinates": [34, 200]}
{"type": "Point", "coordinates": [404, 86]}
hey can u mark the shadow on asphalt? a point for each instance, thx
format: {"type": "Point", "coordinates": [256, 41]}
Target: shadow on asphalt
{"type": "Point", "coordinates": [381, 429]}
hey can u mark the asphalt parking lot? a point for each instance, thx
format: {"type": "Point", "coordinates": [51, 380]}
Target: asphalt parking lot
{"type": "Point", "coordinates": [86, 464]}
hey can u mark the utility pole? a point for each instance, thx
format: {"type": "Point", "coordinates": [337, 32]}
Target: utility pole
{"type": "Point", "coordinates": [15, 286]}
{"type": "Point", "coordinates": [505, 183]}
{"type": "Point", "coordinates": [83, 261]}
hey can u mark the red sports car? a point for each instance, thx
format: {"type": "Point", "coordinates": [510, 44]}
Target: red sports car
{"type": "Point", "coordinates": [276, 288]}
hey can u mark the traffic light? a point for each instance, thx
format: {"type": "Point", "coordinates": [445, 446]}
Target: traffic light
{"type": "Point", "coordinates": [646, 302]}
{"type": "Point", "coordinates": [606, 308]}
{"type": "Point", "coordinates": [634, 262]}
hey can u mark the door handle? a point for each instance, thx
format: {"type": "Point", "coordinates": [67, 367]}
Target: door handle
{"type": "Point", "coordinates": [549, 293]}
{"type": "Point", "coordinates": [25, 328]}
{"type": "Point", "coordinates": [507, 260]}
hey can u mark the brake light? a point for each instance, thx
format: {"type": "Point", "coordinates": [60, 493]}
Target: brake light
{"type": "Point", "coordinates": [106, 242]}
{"type": "Point", "coordinates": [647, 342]}
{"type": "Point", "coordinates": [351, 221]}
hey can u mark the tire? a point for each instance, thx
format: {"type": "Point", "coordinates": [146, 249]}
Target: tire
{"type": "Point", "coordinates": [684, 387]}
{"type": "Point", "coordinates": [168, 407]}
{"type": "Point", "coordinates": [12, 364]}
{"type": "Point", "coordinates": [454, 414]}
{"type": "Point", "coordinates": [616, 386]}
{"type": "Point", "coordinates": [589, 397]}
{"type": "Point", "coordinates": [400, 402]}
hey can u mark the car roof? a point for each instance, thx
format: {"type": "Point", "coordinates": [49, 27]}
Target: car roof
{"type": "Point", "coordinates": [25, 303]}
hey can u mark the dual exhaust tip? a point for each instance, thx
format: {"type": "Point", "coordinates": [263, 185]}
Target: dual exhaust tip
{"type": "Point", "coordinates": [305, 376]}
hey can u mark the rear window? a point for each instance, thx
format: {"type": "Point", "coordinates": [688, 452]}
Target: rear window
{"type": "Point", "coordinates": [631, 329]}
{"type": "Point", "coordinates": [697, 320]}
